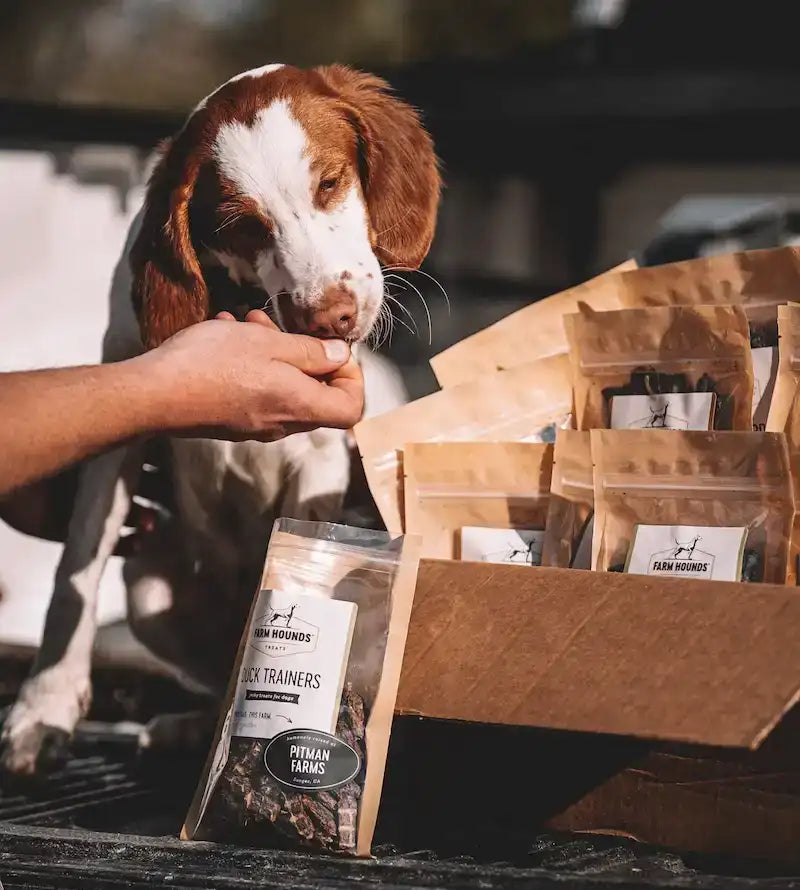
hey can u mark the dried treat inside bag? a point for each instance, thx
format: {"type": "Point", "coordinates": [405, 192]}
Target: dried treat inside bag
{"type": "Point", "coordinates": [530, 333]}
{"type": "Point", "coordinates": [788, 375]}
{"type": "Point", "coordinates": [478, 501]}
{"type": "Point", "coordinates": [757, 280]}
{"type": "Point", "coordinates": [526, 403]}
{"type": "Point", "coordinates": [668, 367]}
{"type": "Point", "coordinates": [299, 753]}
{"type": "Point", "coordinates": [716, 505]}
{"type": "Point", "coordinates": [570, 509]}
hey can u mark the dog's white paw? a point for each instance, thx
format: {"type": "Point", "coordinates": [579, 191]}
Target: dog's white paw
{"type": "Point", "coordinates": [42, 720]}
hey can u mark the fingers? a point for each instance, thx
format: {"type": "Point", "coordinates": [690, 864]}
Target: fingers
{"type": "Point", "coordinates": [310, 355]}
{"type": "Point", "coordinates": [339, 403]}
{"type": "Point", "coordinates": [336, 400]}
{"type": "Point", "coordinates": [258, 316]}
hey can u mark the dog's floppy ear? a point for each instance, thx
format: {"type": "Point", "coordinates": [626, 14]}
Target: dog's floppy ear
{"type": "Point", "coordinates": [399, 168]}
{"type": "Point", "coordinates": [169, 292]}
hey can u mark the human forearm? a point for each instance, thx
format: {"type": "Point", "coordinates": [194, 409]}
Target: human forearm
{"type": "Point", "coordinates": [219, 378]}
{"type": "Point", "coordinates": [53, 418]}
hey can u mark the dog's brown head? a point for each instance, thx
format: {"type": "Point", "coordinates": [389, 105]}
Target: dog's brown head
{"type": "Point", "coordinates": [299, 183]}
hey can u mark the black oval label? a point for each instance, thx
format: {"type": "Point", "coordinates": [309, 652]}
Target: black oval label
{"type": "Point", "coordinates": [310, 760]}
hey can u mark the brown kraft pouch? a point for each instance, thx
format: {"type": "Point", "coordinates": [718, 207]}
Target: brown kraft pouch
{"type": "Point", "coordinates": [757, 280]}
{"type": "Point", "coordinates": [533, 332]}
{"type": "Point", "coordinates": [670, 367]}
{"type": "Point", "coordinates": [570, 510]}
{"type": "Point", "coordinates": [792, 428]}
{"type": "Point", "coordinates": [479, 501]}
{"type": "Point", "coordinates": [300, 749]}
{"type": "Point", "coordinates": [525, 403]}
{"type": "Point", "coordinates": [788, 374]}
{"type": "Point", "coordinates": [692, 504]}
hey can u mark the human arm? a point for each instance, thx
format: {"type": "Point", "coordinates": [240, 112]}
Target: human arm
{"type": "Point", "coordinates": [221, 379]}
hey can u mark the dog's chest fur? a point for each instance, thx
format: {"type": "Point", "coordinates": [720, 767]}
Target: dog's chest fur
{"type": "Point", "coordinates": [229, 494]}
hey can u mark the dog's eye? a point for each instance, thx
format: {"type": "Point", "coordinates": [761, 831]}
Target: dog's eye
{"type": "Point", "coordinates": [327, 185]}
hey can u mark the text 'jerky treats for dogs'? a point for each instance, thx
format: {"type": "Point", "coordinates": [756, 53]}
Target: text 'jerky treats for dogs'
{"type": "Point", "coordinates": [299, 754]}
{"type": "Point", "coordinates": [757, 280]}
{"type": "Point", "coordinates": [533, 332]}
{"type": "Point", "coordinates": [478, 501]}
{"type": "Point", "coordinates": [715, 505]}
{"type": "Point", "coordinates": [671, 367]}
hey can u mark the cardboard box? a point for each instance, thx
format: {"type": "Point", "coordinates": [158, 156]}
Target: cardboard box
{"type": "Point", "coordinates": [655, 703]}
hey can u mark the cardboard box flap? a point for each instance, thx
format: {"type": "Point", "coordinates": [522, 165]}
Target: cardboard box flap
{"type": "Point", "coordinates": [705, 662]}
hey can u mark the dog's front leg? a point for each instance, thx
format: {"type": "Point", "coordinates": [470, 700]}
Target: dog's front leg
{"type": "Point", "coordinates": [58, 692]}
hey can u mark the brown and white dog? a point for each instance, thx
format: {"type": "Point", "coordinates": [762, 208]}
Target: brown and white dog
{"type": "Point", "coordinates": [285, 186]}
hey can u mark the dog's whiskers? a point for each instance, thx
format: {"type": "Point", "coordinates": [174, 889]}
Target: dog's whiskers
{"type": "Point", "coordinates": [383, 329]}
{"type": "Point", "coordinates": [430, 277]}
{"type": "Point", "coordinates": [424, 302]}
{"type": "Point", "coordinates": [392, 299]}
{"type": "Point", "coordinates": [228, 221]}
{"type": "Point", "coordinates": [405, 325]}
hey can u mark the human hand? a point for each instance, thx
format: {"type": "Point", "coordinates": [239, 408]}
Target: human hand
{"type": "Point", "coordinates": [250, 380]}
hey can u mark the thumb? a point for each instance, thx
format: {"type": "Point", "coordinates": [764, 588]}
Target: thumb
{"type": "Point", "coordinates": [310, 355]}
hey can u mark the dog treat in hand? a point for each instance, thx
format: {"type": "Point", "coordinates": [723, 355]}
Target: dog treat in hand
{"type": "Point", "coordinates": [478, 501]}
{"type": "Point", "coordinates": [298, 759]}
{"type": "Point", "coordinates": [527, 403]}
{"type": "Point", "coordinates": [673, 367]}
{"type": "Point", "coordinates": [570, 511]}
{"type": "Point", "coordinates": [692, 504]}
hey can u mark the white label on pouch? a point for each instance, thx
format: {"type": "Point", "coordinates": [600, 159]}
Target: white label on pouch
{"type": "Point", "coordinates": [293, 666]}
{"type": "Point", "coordinates": [513, 545]}
{"type": "Point", "coordinates": [687, 551]}
{"type": "Point", "coordinates": [765, 370]}
{"type": "Point", "coordinates": [667, 411]}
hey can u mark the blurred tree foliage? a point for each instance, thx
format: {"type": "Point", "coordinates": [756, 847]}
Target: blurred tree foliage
{"type": "Point", "coordinates": [167, 54]}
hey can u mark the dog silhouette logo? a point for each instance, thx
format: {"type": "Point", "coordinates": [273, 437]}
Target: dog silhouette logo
{"type": "Point", "coordinates": [282, 616]}
{"type": "Point", "coordinates": [520, 552]}
{"type": "Point", "coordinates": [685, 550]}
{"type": "Point", "coordinates": [283, 631]}
{"type": "Point", "coordinates": [684, 559]}
{"type": "Point", "coordinates": [660, 417]}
